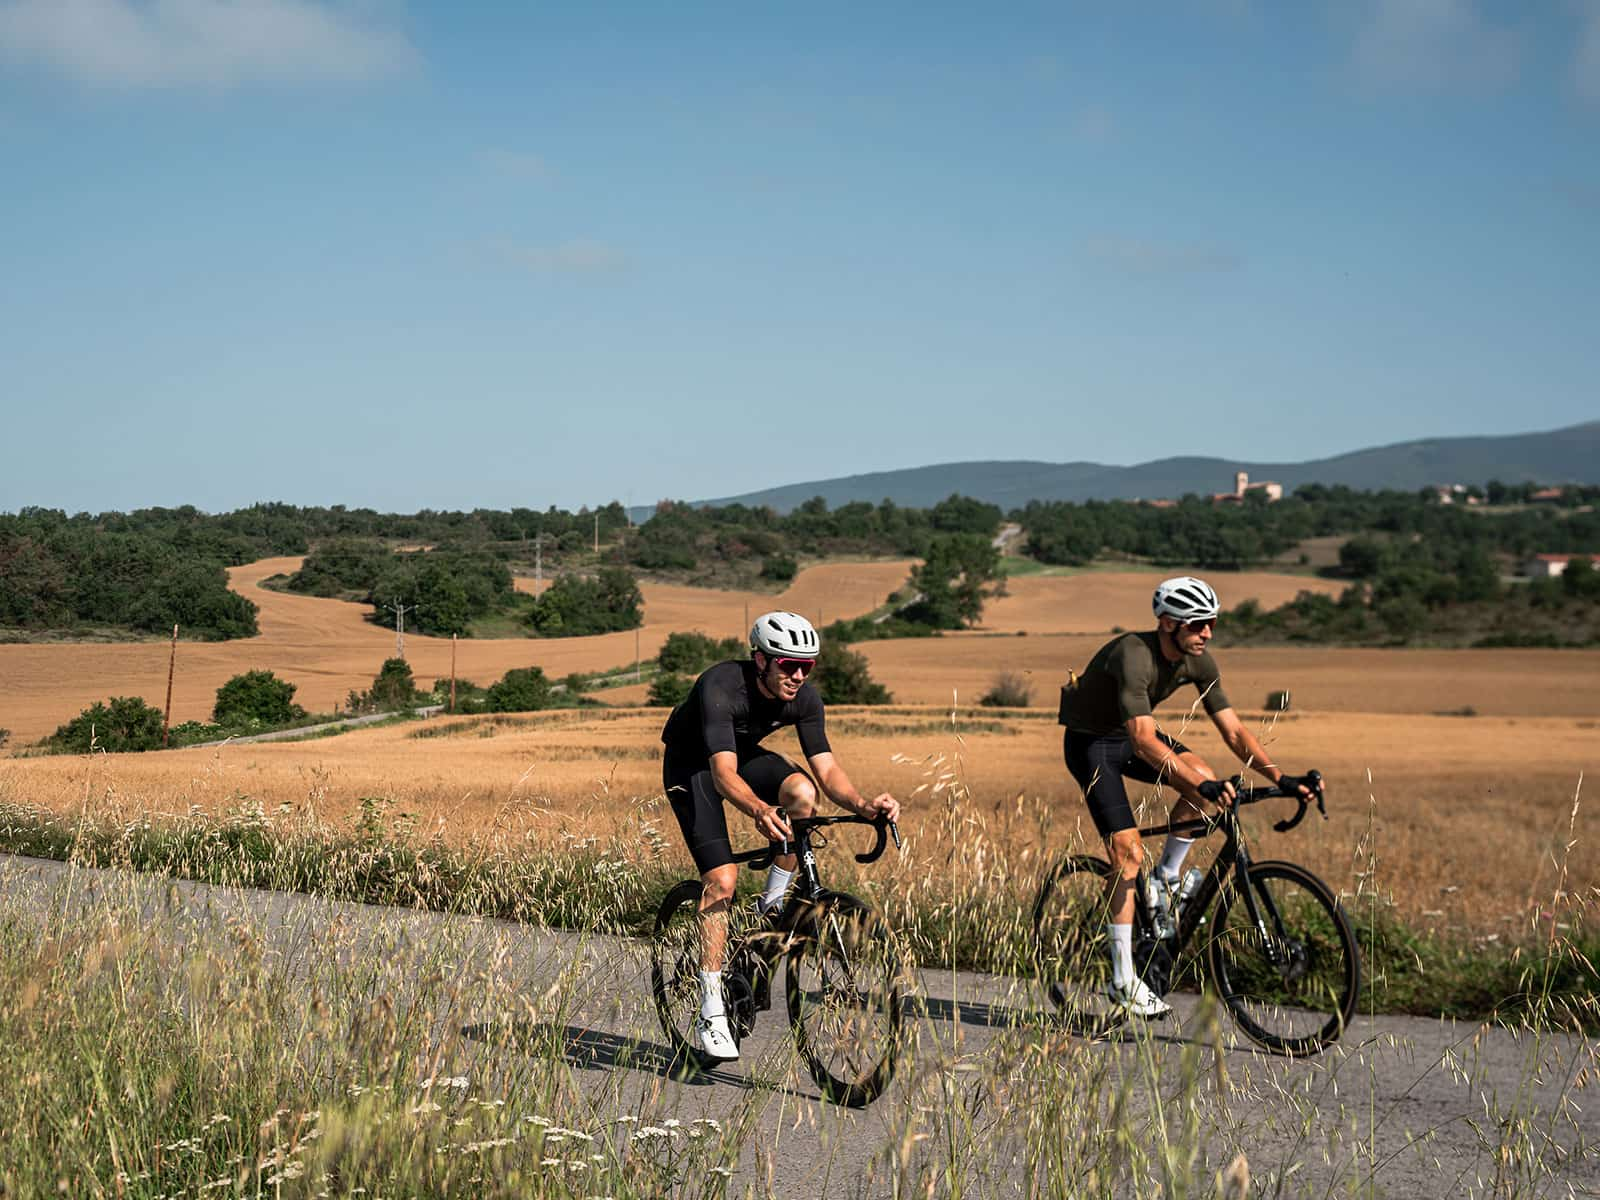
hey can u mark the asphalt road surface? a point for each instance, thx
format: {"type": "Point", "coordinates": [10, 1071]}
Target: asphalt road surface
{"type": "Point", "coordinates": [1403, 1107]}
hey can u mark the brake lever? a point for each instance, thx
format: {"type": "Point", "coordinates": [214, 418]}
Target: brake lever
{"type": "Point", "coordinates": [894, 832]}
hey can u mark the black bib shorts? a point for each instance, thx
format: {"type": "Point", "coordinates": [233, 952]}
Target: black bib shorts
{"type": "Point", "coordinates": [1099, 762]}
{"type": "Point", "coordinates": [699, 806]}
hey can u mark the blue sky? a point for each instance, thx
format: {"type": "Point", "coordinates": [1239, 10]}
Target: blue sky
{"type": "Point", "coordinates": [407, 254]}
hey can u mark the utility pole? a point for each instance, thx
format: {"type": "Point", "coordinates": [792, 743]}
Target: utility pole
{"type": "Point", "coordinates": [636, 675]}
{"type": "Point", "coordinates": [400, 611]}
{"type": "Point", "coordinates": [172, 667]}
{"type": "Point", "coordinates": [452, 673]}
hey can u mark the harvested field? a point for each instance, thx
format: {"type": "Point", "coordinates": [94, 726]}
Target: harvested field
{"type": "Point", "coordinates": [1508, 683]}
{"type": "Point", "coordinates": [1465, 825]}
{"type": "Point", "coordinates": [327, 647]}
{"type": "Point", "coordinates": [1097, 601]}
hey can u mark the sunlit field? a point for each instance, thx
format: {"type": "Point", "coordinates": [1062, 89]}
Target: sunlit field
{"type": "Point", "coordinates": [1466, 824]}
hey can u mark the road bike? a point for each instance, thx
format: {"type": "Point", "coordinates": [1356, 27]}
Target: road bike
{"type": "Point", "coordinates": [1277, 945]}
{"type": "Point", "coordinates": [845, 980]}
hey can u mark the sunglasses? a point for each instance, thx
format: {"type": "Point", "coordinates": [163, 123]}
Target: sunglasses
{"type": "Point", "coordinates": [794, 666]}
{"type": "Point", "coordinates": [1197, 626]}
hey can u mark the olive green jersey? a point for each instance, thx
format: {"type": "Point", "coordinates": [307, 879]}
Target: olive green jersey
{"type": "Point", "coordinates": [1128, 677]}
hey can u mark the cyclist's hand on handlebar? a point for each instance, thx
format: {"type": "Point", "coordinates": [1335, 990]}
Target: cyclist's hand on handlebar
{"type": "Point", "coordinates": [771, 824]}
{"type": "Point", "coordinates": [1308, 787]}
{"type": "Point", "coordinates": [1215, 791]}
{"type": "Point", "coordinates": [883, 805]}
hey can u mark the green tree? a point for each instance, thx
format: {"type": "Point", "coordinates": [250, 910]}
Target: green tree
{"type": "Point", "coordinates": [843, 677]}
{"type": "Point", "coordinates": [521, 689]}
{"type": "Point", "coordinates": [576, 605]}
{"type": "Point", "coordinates": [126, 723]}
{"type": "Point", "coordinates": [668, 690]}
{"type": "Point", "coordinates": [955, 579]}
{"type": "Point", "coordinates": [393, 687]}
{"type": "Point", "coordinates": [691, 653]}
{"type": "Point", "coordinates": [256, 697]}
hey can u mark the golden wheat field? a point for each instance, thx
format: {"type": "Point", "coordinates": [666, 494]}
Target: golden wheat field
{"type": "Point", "coordinates": [1457, 770]}
{"type": "Point", "coordinates": [1467, 818]}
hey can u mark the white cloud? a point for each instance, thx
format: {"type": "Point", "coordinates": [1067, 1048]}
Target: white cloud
{"type": "Point", "coordinates": [1432, 45]}
{"type": "Point", "coordinates": [215, 43]}
{"type": "Point", "coordinates": [580, 256]}
{"type": "Point", "coordinates": [1141, 256]}
{"type": "Point", "coordinates": [1586, 65]}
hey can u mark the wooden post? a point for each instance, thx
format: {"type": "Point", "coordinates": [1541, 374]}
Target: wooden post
{"type": "Point", "coordinates": [172, 667]}
{"type": "Point", "coordinates": [452, 673]}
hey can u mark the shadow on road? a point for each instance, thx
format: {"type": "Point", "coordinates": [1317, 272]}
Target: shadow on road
{"type": "Point", "coordinates": [1000, 1016]}
{"type": "Point", "coordinates": [591, 1049]}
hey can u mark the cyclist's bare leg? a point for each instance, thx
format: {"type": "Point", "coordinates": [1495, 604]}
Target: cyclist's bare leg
{"type": "Point", "coordinates": [1126, 850]}
{"type": "Point", "coordinates": [716, 896]}
{"type": "Point", "coordinates": [798, 798]}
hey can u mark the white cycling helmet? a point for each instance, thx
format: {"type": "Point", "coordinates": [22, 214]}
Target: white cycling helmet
{"type": "Point", "coordinates": [1185, 598]}
{"type": "Point", "coordinates": [784, 635]}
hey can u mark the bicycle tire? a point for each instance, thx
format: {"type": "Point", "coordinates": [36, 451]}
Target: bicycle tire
{"type": "Point", "coordinates": [846, 987]}
{"type": "Point", "coordinates": [675, 972]}
{"type": "Point", "coordinates": [1073, 964]}
{"type": "Point", "coordinates": [1300, 1004]}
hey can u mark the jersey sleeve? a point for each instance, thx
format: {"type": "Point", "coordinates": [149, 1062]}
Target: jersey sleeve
{"type": "Point", "coordinates": [1131, 668]}
{"type": "Point", "coordinates": [716, 717]}
{"type": "Point", "coordinates": [810, 724]}
{"type": "Point", "coordinates": [1209, 680]}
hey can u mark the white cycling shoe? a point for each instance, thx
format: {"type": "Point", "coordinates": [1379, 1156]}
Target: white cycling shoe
{"type": "Point", "coordinates": [1137, 1000]}
{"type": "Point", "coordinates": [715, 1038]}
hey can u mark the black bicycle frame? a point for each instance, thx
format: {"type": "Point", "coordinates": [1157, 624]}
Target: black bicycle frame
{"type": "Point", "coordinates": [1233, 856]}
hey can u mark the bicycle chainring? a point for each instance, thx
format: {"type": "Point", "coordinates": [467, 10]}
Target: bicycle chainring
{"type": "Point", "coordinates": [740, 1002]}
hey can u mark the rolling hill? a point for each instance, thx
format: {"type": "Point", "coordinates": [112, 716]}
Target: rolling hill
{"type": "Point", "coordinates": [1569, 455]}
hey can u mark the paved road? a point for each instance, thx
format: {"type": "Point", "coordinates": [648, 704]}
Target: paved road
{"type": "Point", "coordinates": [1404, 1108]}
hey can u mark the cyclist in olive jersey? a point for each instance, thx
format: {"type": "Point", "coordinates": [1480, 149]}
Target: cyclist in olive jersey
{"type": "Point", "coordinates": [713, 753]}
{"type": "Point", "coordinates": [1111, 733]}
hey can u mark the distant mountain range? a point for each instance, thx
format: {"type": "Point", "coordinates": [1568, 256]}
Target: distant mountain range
{"type": "Point", "coordinates": [1560, 456]}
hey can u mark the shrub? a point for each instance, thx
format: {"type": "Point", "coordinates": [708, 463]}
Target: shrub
{"type": "Point", "coordinates": [576, 605]}
{"type": "Point", "coordinates": [842, 677]}
{"type": "Point", "coordinates": [5, 736]}
{"type": "Point", "coordinates": [1277, 701]}
{"type": "Point", "coordinates": [779, 567]}
{"type": "Point", "coordinates": [576, 683]}
{"type": "Point", "coordinates": [125, 723]}
{"type": "Point", "coordinates": [256, 697]}
{"type": "Point", "coordinates": [393, 687]}
{"type": "Point", "coordinates": [691, 653]}
{"type": "Point", "coordinates": [1009, 690]}
{"type": "Point", "coordinates": [521, 689]}
{"type": "Point", "coordinates": [668, 690]}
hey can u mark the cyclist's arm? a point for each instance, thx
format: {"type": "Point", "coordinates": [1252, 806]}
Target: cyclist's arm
{"type": "Point", "coordinates": [1247, 749]}
{"type": "Point", "coordinates": [1142, 733]}
{"type": "Point", "coordinates": [832, 779]}
{"type": "Point", "coordinates": [725, 775]}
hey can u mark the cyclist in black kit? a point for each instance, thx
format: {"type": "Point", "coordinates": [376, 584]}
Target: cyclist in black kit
{"type": "Point", "coordinates": [1112, 733]}
{"type": "Point", "coordinates": [713, 754]}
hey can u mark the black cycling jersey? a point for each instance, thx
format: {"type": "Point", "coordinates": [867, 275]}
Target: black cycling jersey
{"type": "Point", "coordinates": [725, 710]}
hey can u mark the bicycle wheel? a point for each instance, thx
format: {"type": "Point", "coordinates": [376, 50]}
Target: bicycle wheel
{"type": "Point", "coordinates": [675, 972]}
{"type": "Point", "coordinates": [1284, 959]}
{"type": "Point", "coordinates": [1069, 929]}
{"type": "Point", "coordinates": [846, 987]}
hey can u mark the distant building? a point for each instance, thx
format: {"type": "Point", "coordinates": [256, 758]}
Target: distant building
{"type": "Point", "coordinates": [1242, 487]}
{"type": "Point", "coordinates": [1451, 493]}
{"type": "Point", "coordinates": [1547, 495]}
{"type": "Point", "coordinates": [1549, 566]}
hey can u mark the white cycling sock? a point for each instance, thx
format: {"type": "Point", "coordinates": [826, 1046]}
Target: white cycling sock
{"type": "Point", "coordinates": [1121, 940]}
{"type": "Point", "coordinates": [711, 993]}
{"type": "Point", "coordinates": [1171, 865]}
{"type": "Point", "coordinates": [777, 884]}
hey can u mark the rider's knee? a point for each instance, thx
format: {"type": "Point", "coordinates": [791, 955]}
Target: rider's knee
{"type": "Point", "coordinates": [718, 883]}
{"type": "Point", "coordinates": [1127, 851]}
{"type": "Point", "coordinates": [798, 795]}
